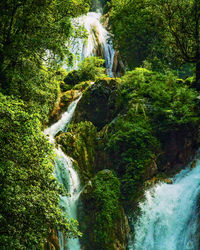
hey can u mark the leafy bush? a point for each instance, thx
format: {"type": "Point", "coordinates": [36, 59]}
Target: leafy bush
{"type": "Point", "coordinates": [168, 103]}
{"type": "Point", "coordinates": [89, 69]}
{"type": "Point", "coordinates": [132, 146]}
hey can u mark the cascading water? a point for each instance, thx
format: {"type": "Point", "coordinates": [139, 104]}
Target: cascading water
{"type": "Point", "coordinates": [98, 42]}
{"type": "Point", "coordinates": [66, 175]}
{"type": "Point", "coordinates": [169, 217]}
{"type": "Point", "coordinates": [69, 178]}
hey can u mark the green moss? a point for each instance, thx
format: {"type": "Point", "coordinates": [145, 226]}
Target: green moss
{"type": "Point", "coordinates": [104, 212]}
{"type": "Point", "coordinates": [82, 86]}
{"type": "Point", "coordinates": [80, 142]}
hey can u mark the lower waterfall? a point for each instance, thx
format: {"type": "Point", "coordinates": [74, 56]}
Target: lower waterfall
{"type": "Point", "coordinates": [169, 217]}
{"type": "Point", "coordinates": [67, 176]}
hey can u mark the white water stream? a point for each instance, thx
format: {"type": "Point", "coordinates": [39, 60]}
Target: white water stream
{"type": "Point", "coordinates": [98, 42]}
{"type": "Point", "coordinates": [169, 217]}
{"type": "Point", "coordinates": [66, 176]}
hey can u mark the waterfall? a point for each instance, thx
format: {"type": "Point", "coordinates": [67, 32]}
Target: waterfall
{"type": "Point", "coordinates": [69, 178]}
{"type": "Point", "coordinates": [98, 42]}
{"type": "Point", "coordinates": [66, 175]}
{"type": "Point", "coordinates": [169, 216]}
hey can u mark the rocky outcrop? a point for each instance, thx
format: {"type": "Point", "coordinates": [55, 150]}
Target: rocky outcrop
{"type": "Point", "coordinates": [118, 66]}
{"type": "Point", "coordinates": [62, 103]}
{"type": "Point", "coordinates": [97, 103]}
{"type": "Point", "coordinates": [179, 147]}
{"type": "Point", "coordinates": [80, 142]}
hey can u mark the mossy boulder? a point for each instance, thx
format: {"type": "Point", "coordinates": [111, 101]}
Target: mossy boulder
{"type": "Point", "coordinates": [80, 143]}
{"type": "Point", "coordinates": [83, 85]}
{"type": "Point", "coordinates": [98, 103]}
{"type": "Point", "coordinates": [104, 224]}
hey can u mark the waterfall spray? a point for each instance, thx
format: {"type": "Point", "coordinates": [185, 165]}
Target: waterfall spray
{"type": "Point", "coordinates": [169, 217]}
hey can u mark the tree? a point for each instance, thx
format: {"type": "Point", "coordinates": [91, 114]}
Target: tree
{"type": "Point", "coordinates": [143, 37]}
{"type": "Point", "coordinates": [182, 20]}
{"type": "Point", "coordinates": [34, 31]}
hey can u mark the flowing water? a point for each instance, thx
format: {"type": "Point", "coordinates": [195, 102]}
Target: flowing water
{"type": "Point", "coordinates": [98, 42]}
{"type": "Point", "coordinates": [66, 175]}
{"type": "Point", "coordinates": [170, 215]}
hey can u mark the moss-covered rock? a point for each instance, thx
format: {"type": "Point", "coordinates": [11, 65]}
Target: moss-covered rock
{"type": "Point", "coordinates": [80, 143]}
{"type": "Point", "coordinates": [83, 85]}
{"type": "Point", "coordinates": [104, 224]}
{"type": "Point", "coordinates": [72, 78]}
{"type": "Point", "coordinates": [98, 103]}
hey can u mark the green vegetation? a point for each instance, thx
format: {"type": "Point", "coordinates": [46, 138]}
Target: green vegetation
{"type": "Point", "coordinates": [102, 203]}
{"type": "Point", "coordinates": [28, 190]}
{"type": "Point", "coordinates": [132, 115]}
{"type": "Point", "coordinates": [153, 104]}
{"type": "Point", "coordinates": [162, 97]}
{"type": "Point", "coordinates": [34, 32]}
{"type": "Point", "coordinates": [118, 135]}
{"type": "Point", "coordinates": [166, 33]}
{"type": "Point", "coordinates": [32, 44]}
{"type": "Point", "coordinates": [80, 143]}
{"type": "Point", "coordinates": [89, 69]}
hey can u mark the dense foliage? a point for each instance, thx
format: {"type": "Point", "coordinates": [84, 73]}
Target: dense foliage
{"type": "Point", "coordinates": [168, 102]}
{"type": "Point", "coordinates": [116, 137]}
{"type": "Point", "coordinates": [153, 104]}
{"type": "Point", "coordinates": [33, 42]}
{"type": "Point", "coordinates": [29, 192]}
{"type": "Point", "coordinates": [89, 69]}
{"type": "Point", "coordinates": [103, 210]}
{"type": "Point", "coordinates": [34, 32]}
{"type": "Point", "coordinates": [162, 32]}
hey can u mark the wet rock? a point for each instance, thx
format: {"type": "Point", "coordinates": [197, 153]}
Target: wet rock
{"type": "Point", "coordinates": [62, 104]}
{"type": "Point", "coordinates": [179, 147]}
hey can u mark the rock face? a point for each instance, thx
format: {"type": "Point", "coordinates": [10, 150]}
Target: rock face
{"type": "Point", "coordinates": [80, 142]}
{"type": "Point", "coordinates": [97, 103]}
{"type": "Point", "coordinates": [62, 103]}
{"type": "Point", "coordinates": [179, 146]}
{"type": "Point", "coordinates": [102, 218]}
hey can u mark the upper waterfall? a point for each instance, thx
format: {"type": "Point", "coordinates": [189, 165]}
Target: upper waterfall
{"type": "Point", "coordinates": [98, 42]}
{"type": "Point", "coordinates": [169, 216]}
